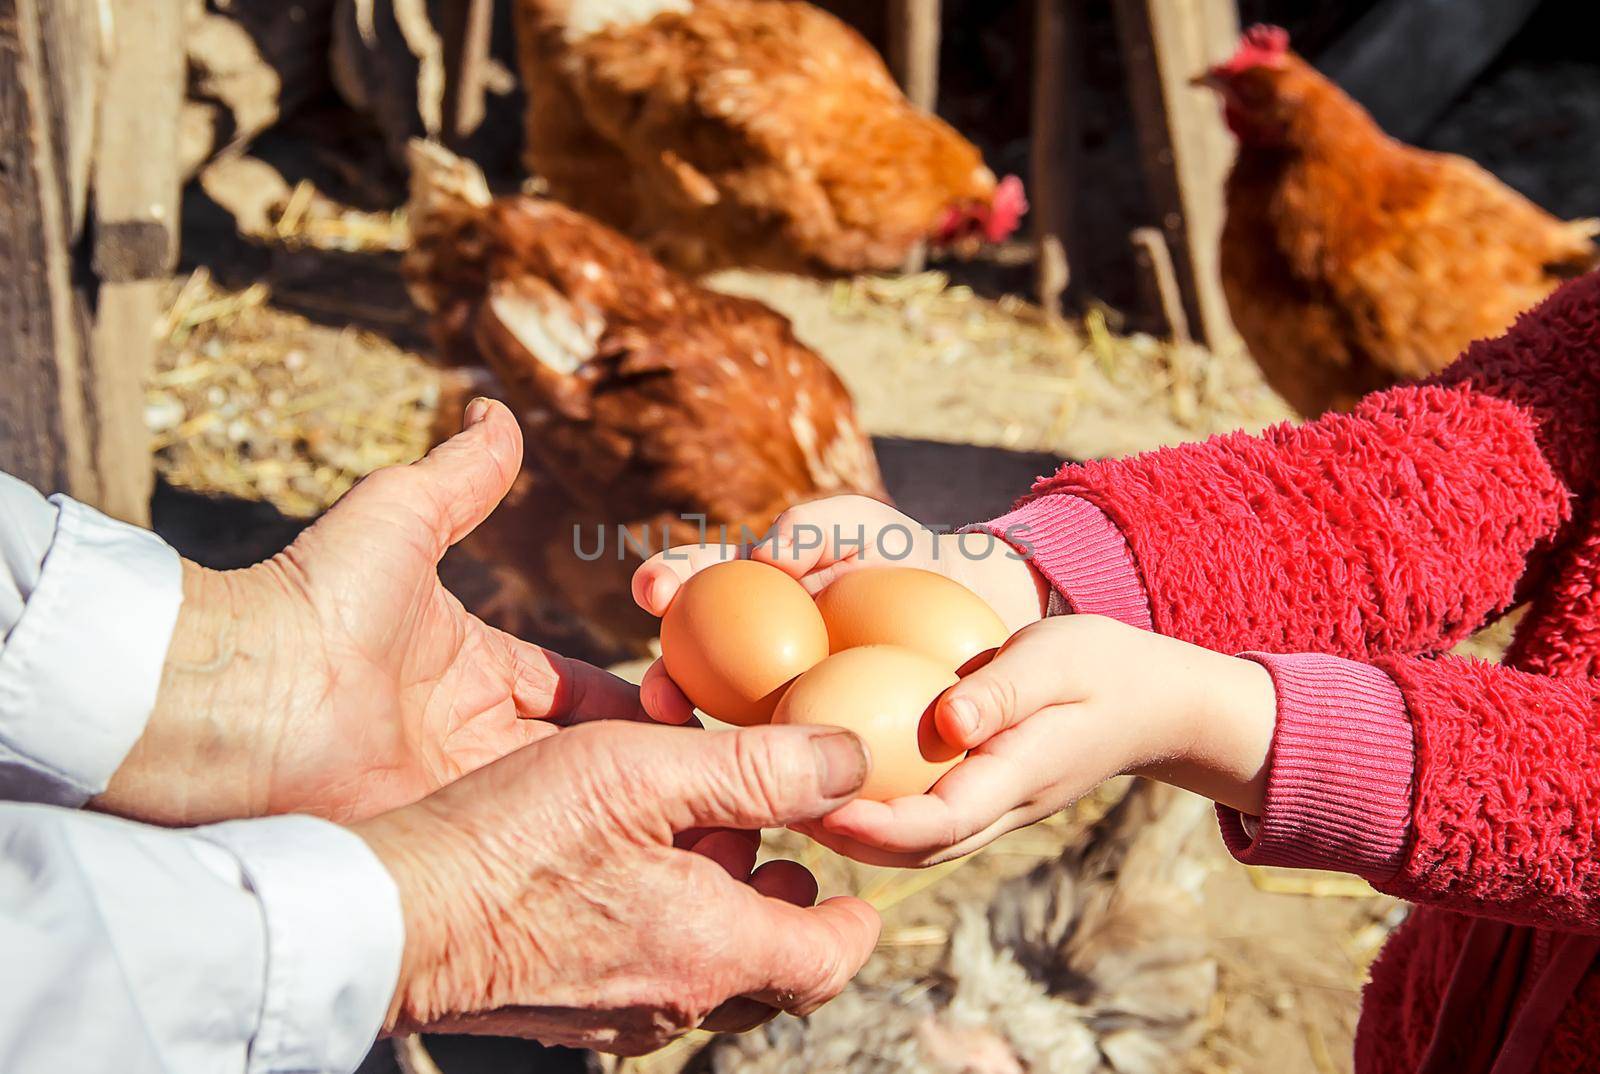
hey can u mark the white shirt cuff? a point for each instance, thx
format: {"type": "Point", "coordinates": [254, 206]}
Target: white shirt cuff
{"type": "Point", "coordinates": [335, 935]}
{"type": "Point", "coordinates": [80, 669]}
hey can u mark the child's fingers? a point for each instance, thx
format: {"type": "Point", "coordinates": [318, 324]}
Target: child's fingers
{"type": "Point", "coordinates": [980, 790]}
{"type": "Point", "coordinates": [818, 534]}
{"type": "Point", "coordinates": [868, 854]}
{"type": "Point", "coordinates": [656, 581]}
{"type": "Point", "coordinates": [662, 699]}
{"type": "Point", "coordinates": [1025, 676]}
{"type": "Point", "coordinates": [854, 850]}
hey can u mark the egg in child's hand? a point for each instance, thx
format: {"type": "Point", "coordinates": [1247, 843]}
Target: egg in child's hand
{"type": "Point", "coordinates": [885, 694]}
{"type": "Point", "coordinates": [736, 634]}
{"type": "Point", "coordinates": [912, 608]}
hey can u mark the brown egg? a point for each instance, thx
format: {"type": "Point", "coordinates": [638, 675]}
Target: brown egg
{"type": "Point", "coordinates": [736, 634]}
{"type": "Point", "coordinates": [884, 694]}
{"type": "Point", "coordinates": [912, 608]}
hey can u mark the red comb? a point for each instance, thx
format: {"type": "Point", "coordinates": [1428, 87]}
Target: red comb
{"type": "Point", "coordinates": [1259, 46]}
{"type": "Point", "coordinates": [1006, 209]}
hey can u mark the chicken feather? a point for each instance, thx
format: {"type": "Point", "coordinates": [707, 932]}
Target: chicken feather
{"type": "Point", "coordinates": [762, 133]}
{"type": "Point", "coordinates": [1352, 261]}
{"type": "Point", "coordinates": [648, 401]}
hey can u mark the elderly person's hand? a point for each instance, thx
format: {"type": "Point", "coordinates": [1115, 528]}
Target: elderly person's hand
{"type": "Point", "coordinates": [544, 896]}
{"type": "Point", "coordinates": [341, 678]}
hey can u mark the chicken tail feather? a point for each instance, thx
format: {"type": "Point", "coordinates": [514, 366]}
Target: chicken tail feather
{"type": "Point", "coordinates": [1584, 254]}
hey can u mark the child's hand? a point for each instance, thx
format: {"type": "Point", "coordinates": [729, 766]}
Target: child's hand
{"type": "Point", "coordinates": [1065, 705]}
{"type": "Point", "coordinates": [816, 542]}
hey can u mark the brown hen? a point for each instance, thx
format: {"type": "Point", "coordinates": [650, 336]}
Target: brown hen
{"type": "Point", "coordinates": [1352, 261]}
{"type": "Point", "coordinates": [647, 401]}
{"type": "Point", "coordinates": [758, 133]}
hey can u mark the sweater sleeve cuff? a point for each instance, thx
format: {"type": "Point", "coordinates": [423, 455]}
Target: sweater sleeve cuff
{"type": "Point", "coordinates": [1081, 553]}
{"type": "Point", "coordinates": [1339, 787]}
{"type": "Point", "coordinates": [334, 939]}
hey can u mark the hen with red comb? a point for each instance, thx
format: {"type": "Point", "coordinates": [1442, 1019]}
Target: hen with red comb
{"type": "Point", "coordinates": [746, 133]}
{"type": "Point", "coordinates": [1259, 46]}
{"type": "Point", "coordinates": [1351, 261]}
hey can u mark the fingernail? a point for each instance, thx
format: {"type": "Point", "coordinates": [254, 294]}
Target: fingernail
{"type": "Point", "coordinates": [964, 715]}
{"type": "Point", "coordinates": [841, 763]}
{"type": "Point", "coordinates": [477, 410]}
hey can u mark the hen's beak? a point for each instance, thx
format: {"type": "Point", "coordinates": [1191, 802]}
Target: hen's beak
{"type": "Point", "coordinates": [1210, 80]}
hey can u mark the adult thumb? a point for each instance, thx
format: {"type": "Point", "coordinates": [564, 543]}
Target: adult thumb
{"type": "Point", "coordinates": [452, 489]}
{"type": "Point", "coordinates": [757, 777]}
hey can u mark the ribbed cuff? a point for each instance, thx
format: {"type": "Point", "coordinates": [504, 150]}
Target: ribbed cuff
{"type": "Point", "coordinates": [1081, 553]}
{"type": "Point", "coordinates": [1339, 788]}
{"type": "Point", "coordinates": [334, 939]}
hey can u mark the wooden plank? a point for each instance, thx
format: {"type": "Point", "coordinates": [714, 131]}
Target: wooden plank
{"type": "Point", "coordinates": [136, 197]}
{"type": "Point", "coordinates": [1185, 148]}
{"type": "Point", "coordinates": [43, 436]}
{"type": "Point", "coordinates": [914, 31]}
{"type": "Point", "coordinates": [466, 28]}
{"type": "Point", "coordinates": [914, 27]}
{"type": "Point", "coordinates": [1160, 282]}
{"type": "Point", "coordinates": [1406, 60]}
{"type": "Point", "coordinates": [122, 350]}
{"type": "Point", "coordinates": [1057, 137]}
{"type": "Point", "coordinates": [136, 165]}
{"type": "Point", "coordinates": [72, 39]}
{"type": "Point", "coordinates": [72, 417]}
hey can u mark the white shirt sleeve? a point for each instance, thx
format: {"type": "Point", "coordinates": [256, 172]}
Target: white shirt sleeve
{"type": "Point", "coordinates": [255, 947]}
{"type": "Point", "coordinates": [87, 607]}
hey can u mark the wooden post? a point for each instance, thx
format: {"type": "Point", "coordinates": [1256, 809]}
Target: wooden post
{"type": "Point", "coordinates": [1186, 149]}
{"type": "Point", "coordinates": [1057, 138]}
{"type": "Point", "coordinates": [1159, 282]}
{"type": "Point", "coordinates": [44, 438]}
{"type": "Point", "coordinates": [136, 196]}
{"type": "Point", "coordinates": [466, 27]}
{"type": "Point", "coordinates": [95, 95]}
{"type": "Point", "coordinates": [914, 49]}
{"type": "Point", "coordinates": [914, 56]}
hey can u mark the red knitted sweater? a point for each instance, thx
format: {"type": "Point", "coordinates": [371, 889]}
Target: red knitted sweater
{"type": "Point", "coordinates": [1358, 548]}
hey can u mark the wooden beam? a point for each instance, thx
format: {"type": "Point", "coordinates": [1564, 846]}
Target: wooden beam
{"type": "Point", "coordinates": [44, 439]}
{"type": "Point", "coordinates": [466, 28]}
{"type": "Point", "coordinates": [914, 27]}
{"type": "Point", "coordinates": [1186, 149]}
{"type": "Point", "coordinates": [136, 162]}
{"type": "Point", "coordinates": [136, 226]}
{"type": "Point", "coordinates": [71, 39]}
{"type": "Point", "coordinates": [1406, 60]}
{"type": "Point", "coordinates": [914, 30]}
{"type": "Point", "coordinates": [1160, 282]}
{"type": "Point", "coordinates": [88, 133]}
{"type": "Point", "coordinates": [1057, 137]}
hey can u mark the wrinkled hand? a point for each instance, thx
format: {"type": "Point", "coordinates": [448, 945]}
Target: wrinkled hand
{"type": "Point", "coordinates": [340, 677]}
{"type": "Point", "coordinates": [817, 542]}
{"type": "Point", "coordinates": [1065, 705]}
{"type": "Point", "coordinates": [544, 896]}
